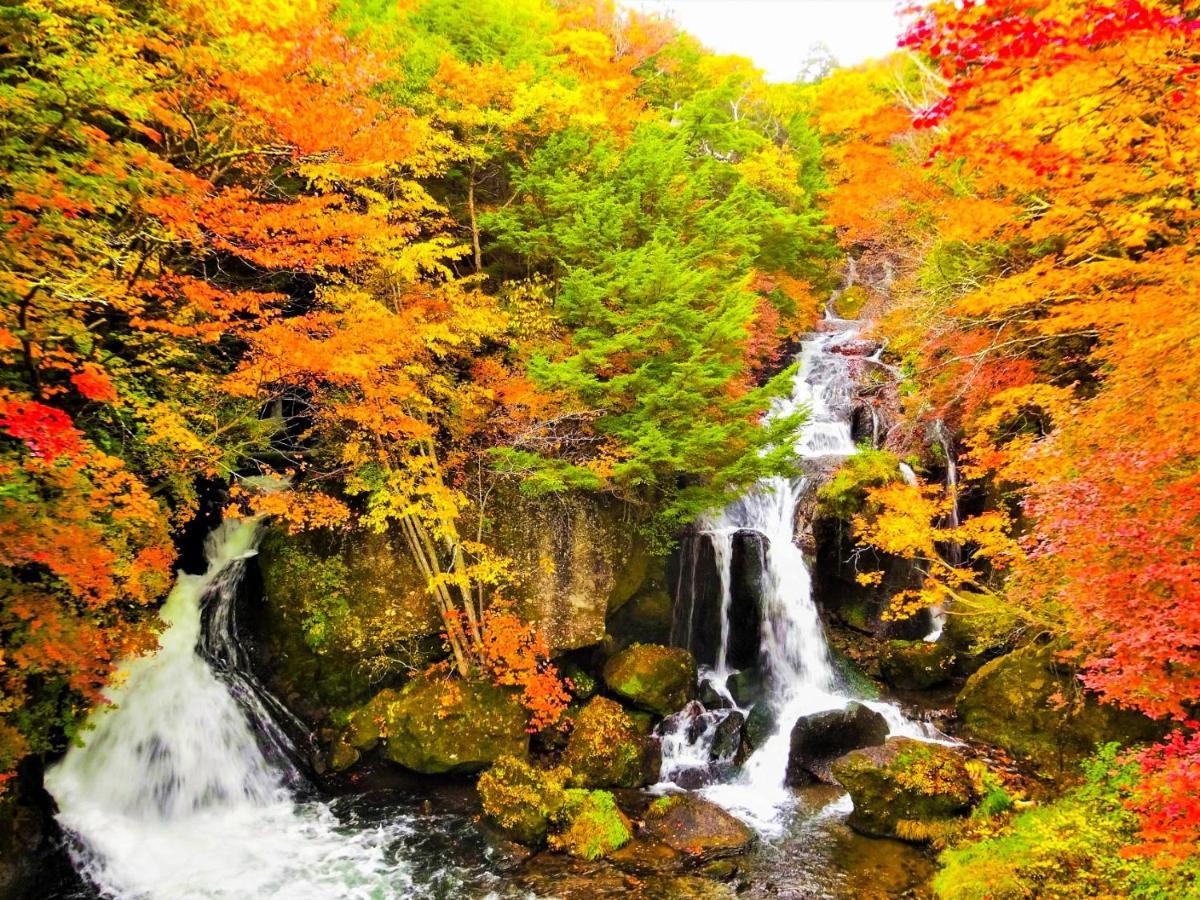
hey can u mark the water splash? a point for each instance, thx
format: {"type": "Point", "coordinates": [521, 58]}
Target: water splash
{"type": "Point", "coordinates": [180, 789]}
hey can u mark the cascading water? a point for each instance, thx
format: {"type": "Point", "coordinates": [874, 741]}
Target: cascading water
{"type": "Point", "coordinates": [793, 654]}
{"type": "Point", "coordinates": [180, 789]}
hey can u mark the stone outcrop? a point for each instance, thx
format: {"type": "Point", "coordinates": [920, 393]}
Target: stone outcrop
{"type": "Point", "coordinates": [1017, 702]}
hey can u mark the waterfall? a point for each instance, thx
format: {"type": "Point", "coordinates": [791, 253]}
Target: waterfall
{"type": "Point", "coordinates": [180, 788]}
{"type": "Point", "coordinates": [793, 653]}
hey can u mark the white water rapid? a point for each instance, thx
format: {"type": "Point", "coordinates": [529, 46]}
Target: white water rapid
{"type": "Point", "coordinates": [793, 654]}
{"type": "Point", "coordinates": [181, 788]}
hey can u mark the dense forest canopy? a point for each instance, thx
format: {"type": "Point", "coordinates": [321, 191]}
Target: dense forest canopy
{"type": "Point", "coordinates": [390, 254]}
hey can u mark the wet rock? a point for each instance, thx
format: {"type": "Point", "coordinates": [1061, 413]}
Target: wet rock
{"type": "Point", "coordinates": [642, 856]}
{"type": "Point", "coordinates": [342, 756]}
{"type": "Point", "coordinates": [695, 581]}
{"type": "Point", "coordinates": [761, 723]}
{"type": "Point", "coordinates": [441, 725]}
{"type": "Point", "coordinates": [1010, 703]}
{"type": "Point", "coordinates": [711, 697]}
{"type": "Point", "coordinates": [917, 665]}
{"type": "Point", "coordinates": [727, 740]}
{"type": "Point", "coordinates": [604, 749]}
{"type": "Point", "coordinates": [745, 687]}
{"type": "Point", "coordinates": [595, 826]}
{"type": "Point", "coordinates": [521, 800]}
{"type": "Point", "coordinates": [906, 789]}
{"type": "Point", "coordinates": [817, 740]}
{"type": "Point", "coordinates": [657, 678]}
{"type": "Point", "coordinates": [855, 347]}
{"type": "Point", "coordinates": [558, 875]}
{"type": "Point", "coordinates": [696, 827]}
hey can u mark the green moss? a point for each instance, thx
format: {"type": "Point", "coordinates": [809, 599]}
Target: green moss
{"type": "Point", "coordinates": [917, 665]}
{"type": "Point", "coordinates": [523, 800]}
{"type": "Point", "coordinates": [850, 302]}
{"type": "Point", "coordinates": [437, 725]}
{"type": "Point", "coordinates": [660, 679]}
{"type": "Point", "coordinates": [1015, 703]}
{"type": "Point", "coordinates": [907, 789]}
{"type": "Point", "coordinates": [1070, 847]}
{"type": "Point", "coordinates": [595, 826]}
{"type": "Point", "coordinates": [844, 496]}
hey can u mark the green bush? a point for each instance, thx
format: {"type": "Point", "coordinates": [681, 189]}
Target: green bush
{"type": "Point", "coordinates": [1069, 847]}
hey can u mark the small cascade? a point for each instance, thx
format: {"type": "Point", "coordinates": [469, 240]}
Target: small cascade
{"type": "Point", "coordinates": [793, 655]}
{"type": "Point", "coordinates": [181, 788]}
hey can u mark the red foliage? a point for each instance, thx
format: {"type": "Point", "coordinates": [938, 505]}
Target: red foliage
{"type": "Point", "coordinates": [46, 431]}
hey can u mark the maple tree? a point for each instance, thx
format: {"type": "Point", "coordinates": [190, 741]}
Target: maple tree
{"type": "Point", "coordinates": [1042, 312]}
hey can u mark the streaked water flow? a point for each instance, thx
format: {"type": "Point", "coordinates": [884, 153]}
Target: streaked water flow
{"type": "Point", "coordinates": [793, 653]}
{"type": "Point", "coordinates": [182, 787]}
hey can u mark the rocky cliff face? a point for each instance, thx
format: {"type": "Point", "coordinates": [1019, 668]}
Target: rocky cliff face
{"type": "Point", "coordinates": [345, 613]}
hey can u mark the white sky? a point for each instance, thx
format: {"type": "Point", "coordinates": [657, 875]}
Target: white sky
{"type": "Point", "coordinates": [778, 34]}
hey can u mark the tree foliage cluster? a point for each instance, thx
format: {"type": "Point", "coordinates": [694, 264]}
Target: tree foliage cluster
{"type": "Point", "coordinates": [389, 252]}
{"type": "Point", "coordinates": [1029, 173]}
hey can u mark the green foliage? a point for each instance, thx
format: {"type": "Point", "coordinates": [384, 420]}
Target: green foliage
{"type": "Point", "coordinates": [523, 799]}
{"type": "Point", "coordinates": [844, 496]}
{"type": "Point", "coordinates": [595, 826]}
{"type": "Point", "coordinates": [1069, 847]}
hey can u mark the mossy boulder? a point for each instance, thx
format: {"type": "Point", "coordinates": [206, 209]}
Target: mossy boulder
{"type": "Point", "coordinates": [818, 739]}
{"type": "Point", "coordinates": [605, 750]}
{"type": "Point", "coordinates": [335, 605]}
{"type": "Point", "coordinates": [696, 827]}
{"type": "Point", "coordinates": [577, 558]}
{"type": "Point", "coordinates": [438, 725]}
{"type": "Point", "coordinates": [523, 800]}
{"type": "Point", "coordinates": [1032, 705]}
{"type": "Point", "coordinates": [916, 665]}
{"type": "Point", "coordinates": [593, 825]}
{"type": "Point", "coordinates": [657, 678]}
{"type": "Point", "coordinates": [907, 789]}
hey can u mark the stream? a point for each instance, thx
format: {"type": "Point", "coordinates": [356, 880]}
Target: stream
{"type": "Point", "coordinates": [188, 786]}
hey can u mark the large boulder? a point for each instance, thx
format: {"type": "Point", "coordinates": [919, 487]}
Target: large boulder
{"type": "Point", "coordinates": [329, 602]}
{"type": "Point", "coordinates": [917, 665]}
{"type": "Point", "coordinates": [1017, 702]}
{"type": "Point", "coordinates": [605, 750]}
{"type": "Point", "coordinates": [906, 789]}
{"type": "Point", "coordinates": [818, 739]}
{"type": "Point", "coordinates": [656, 678]}
{"type": "Point", "coordinates": [578, 559]}
{"type": "Point", "coordinates": [690, 824]}
{"type": "Point", "coordinates": [439, 725]}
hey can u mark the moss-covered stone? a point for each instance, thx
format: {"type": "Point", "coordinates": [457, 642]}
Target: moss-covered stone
{"type": "Point", "coordinates": [341, 610]}
{"type": "Point", "coordinates": [523, 800]}
{"type": "Point", "coordinates": [696, 827]}
{"type": "Point", "coordinates": [660, 679]}
{"type": "Point", "coordinates": [577, 557]}
{"type": "Point", "coordinates": [1032, 705]}
{"type": "Point", "coordinates": [906, 789]}
{"type": "Point", "coordinates": [604, 749]}
{"type": "Point", "coordinates": [916, 665]}
{"type": "Point", "coordinates": [437, 725]}
{"type": "Point", "coordinates": [646, 618]}
{"type": "Point", "coordinates": [594, 826]}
